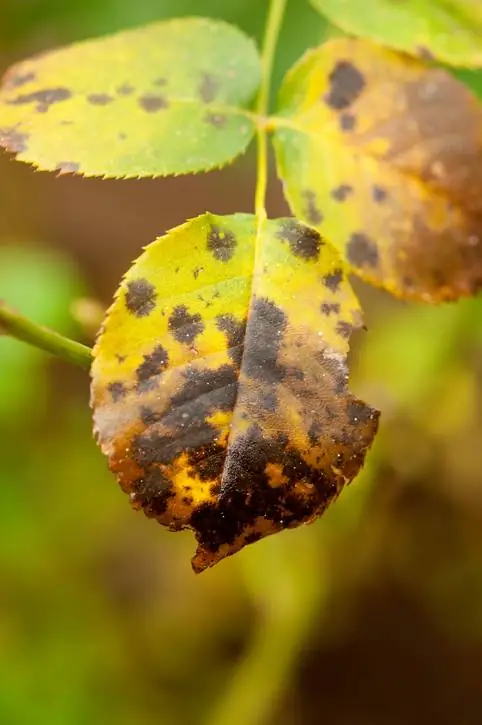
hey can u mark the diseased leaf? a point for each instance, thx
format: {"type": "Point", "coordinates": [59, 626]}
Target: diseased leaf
{"type": "Point", "coordinates": [168, 98]}
{"type": "Point", "coordinates": [220, 382]}
{"type": "Point", "coordinates": [449, 30]}
{"type": "Point", "coordinates": [383, 155]}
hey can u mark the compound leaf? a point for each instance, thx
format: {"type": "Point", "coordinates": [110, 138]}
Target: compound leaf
{"type": "Point", "coordinates": [220, 382]}
{"type": "Point", "coordinates": [383, 155]}
{"type": "Point", "coordinates": [449, 30]}
{"type": "Point", "coordinates": [167, 98]}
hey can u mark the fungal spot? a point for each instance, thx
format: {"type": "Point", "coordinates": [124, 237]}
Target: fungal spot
{"type": "Point", "coordinates": [153, 364]}
{"type": "Point", "coordinates": [183, 326]}
{"type": "Point", "coordinates": [207, 462]}
{"type": "Point", "coordinates": [117, 390]}
{"type": "Point", "coordinates": [216, 119]}
{"type": "Point", "coordinates": [67, 167]}
{"type": "Point", "coordinates": [235, 331]}
{"type": "Point", "coordinates": [333, 280]}
{"type": "Point", "coordinates": [311, 211]}
{"type": "Point", "coordinates": [379, 194]}
{"type": "Point", "coordinates": [361, 251]}
{"type": "Point", "coordinates": [328, 308]}
{"type": "Point", "coordinates": [16, 80]}
{"type": "Point", "coordinates": [358, 412]}
{"type": "Point", "coordinates": [125, 89]}
{"type": "Point", "coordinates": [44, 98]}
{"type": "Point", "coordinates": [347, 83]}
{"type": "Point", "coordinates": [344, 329]}
{"type": "Point", "coordinates": [342, 192]}
{"type": "Point", "coordinates": [13, 140]}
{"type": "Point", "coordinates": [208, 87]}
{"type": "Point", "coordinates": [347, 121]}
{"type": "Point", "coordinates": [304, 241]}
{"type": "Point", "coordinates": [149, 416]}
{"type": "Point", "coordinates": [151, 104]}
{"type": "Point", "coordinates": [221, 243]}
{"type": "Point", "coordinates": [152, 492]}
{"type": "Point", "coordinates": [263, 338]}
{"type": "Point", "coordinates": [196, 272]}
{"type": "Point", "coordinates": [99, 99]}
{"type": "Point", "coordinates": [140, 297]}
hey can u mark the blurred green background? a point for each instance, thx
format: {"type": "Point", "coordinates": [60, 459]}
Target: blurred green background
{"type": "Point", "coordinates": [371, 616]}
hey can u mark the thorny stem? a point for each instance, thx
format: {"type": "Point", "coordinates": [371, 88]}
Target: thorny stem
{"type": "Point", "coordinates": [273, 26]}
{"type": "Point", "coordinates": [14, 324]}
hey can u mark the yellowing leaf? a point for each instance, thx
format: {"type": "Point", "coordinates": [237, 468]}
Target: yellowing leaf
{"type": "Point", "coordinates": [384, 156]}
{"type": "Point", "coordinates": [168, 98]}
{"type": "Point", "coordinates": [450, 30]}
{"type": "Point", "coordinates": [219, 384]}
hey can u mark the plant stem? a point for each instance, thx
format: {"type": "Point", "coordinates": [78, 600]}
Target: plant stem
{"type": "Point", "coordinates": [273, 26]}
{"type": "Point", "coordinates": [15, 325]}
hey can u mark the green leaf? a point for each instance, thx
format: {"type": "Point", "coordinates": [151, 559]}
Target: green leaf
{"type": "Point", "coordinates": [168, 98]}
{"type": "Point", "coordinates": [383, 155]}
{"type": "Point", "coordinates": [220, 386]}
{"type": "Point", "coordinates": [448, 30]}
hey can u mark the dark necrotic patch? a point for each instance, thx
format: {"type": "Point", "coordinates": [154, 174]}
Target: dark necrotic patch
{"type": "Point", "coordinates": [330, 308]}
{"type": "Point", "coordinates": [347, 122]}
{"type": "Point", "coordinates": [304, 242]}
{"type": "Point", "coordinates": [151, 104]}
{"type": "Point", "coordinates": [235, 331]}
{"type": "Point", "coordinates": [207, 462]}
{"type": "Point", "coordinates": [125, 89]}
{"type": "Point", "coordinates": [153, 491]}
{"type": "Point", "coordinates": [16, 80]}
{"type": "Point", "coordinates": [342, 192]}
{"type": "Point", "coordinates": [215, 119]}
{"type": "Point", "coordinates": [358, 412]}
{"type": "Point", "coordinates": [311, 211]}
{"type": "Point", "coordinates": [263, 340]}
{"type": "Point", "coordinates": [208, 87]}
{"type": "Point", "coordinates": [184, 326]}
{"type": "Point", "coordinates": [117, 390]}
{"type": "Point", "coordinates": [153, 364]}
{"type": "Point", "coordinates": [221, 243]}
{"type": "Point", "coordinates": [44, 98]}
{"type": "Point", "coordinates": [140, 297]}
{"type": "Point", "coordinates": [346, 84]}
{"type": "Point", "coordinates": [99, 99]}
{"type": "Point", "coordinates": [252, 538]}
{"type": "Point", "coordinates": [333, 280]}
{"type": "Point", "coordinates": [13, 140]}
{"type": "Point", "coordinates": [379, 194]}
{"type": "Point", "coordinates": [149, 416]}
{"type": "Point", "coordinates": [344, 329]}
{"type": "Point", "coordinates": [361, 251]}
{"type": "Point", "coordinates": [67, 167]}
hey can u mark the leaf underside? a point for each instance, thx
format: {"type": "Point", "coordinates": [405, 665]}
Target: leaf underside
{"type": "Point", "coordinates": [383, 155]}
{"type": "Point", "coordinates": [219, 384]}
{"type": "Point", "coordinates": [449, 30]}
{"type": "Point", "coordinates": [167, 98]}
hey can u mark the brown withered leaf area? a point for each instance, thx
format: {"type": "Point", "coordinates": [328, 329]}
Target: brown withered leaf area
{"type": "Point", "coordinates": [220, 386]}
{"type": "Point", "coordinates": [383, 155]}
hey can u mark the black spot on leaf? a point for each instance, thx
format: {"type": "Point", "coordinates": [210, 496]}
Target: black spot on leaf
{"type": "Point", "coordinates": [379, 194]}
{"type": "Point", "coordinates": [152, 492]}
{"type": "Point", "coordinates": [361, 251]}
{"type": "Point", "coordinates": [235, 331]}
{"type": "Point", "coordinates": [344, 329]}
{"type": "Point", "coordinates": [221, 243]}
{"type": "Point", "coordinates": [117, 390]}
{"type": "Point", "coordinates": [304, 241]}
{"type": "Point", "coordinates": [328, 308]}
{"type": "Point", "coordinates": [184, 326]}
{"type": "Point", "coordinates": [347, 121]}
{"type": "Point", "coordinates": [140, 297]}
{"type": "Point", "coordinates": [44, 98]}
{"type": "Point", "coordinates": [151, 104]}
{"type": "Point", "coordinates": [99, 99]}
{"type": "Point", "coordinates": [207, 462]}
{"type": "Point", "coordinates": [13, 140]}
{"type": "Point", "coordinates": [333, 280]}
{"type": "Point", "coordinates": [16, 80]}
{"type": "Point", "coordinates": [125, 89]}
{"type": "Point", "coordinates": [342, 192]}
{"type": "Point", "coordinates": [154, 363]}
{"type": "Point", "coordinates": [311, 211]}
{"type": "Point", "coordinates": [346, 84]}
{"type": "Point", "coordinates": [263, 339]}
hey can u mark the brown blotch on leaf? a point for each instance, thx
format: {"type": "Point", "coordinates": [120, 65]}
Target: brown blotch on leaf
{"type": "Point", "coordinates": [304, 241]}
{"type": "Point", "coordinates": [347, 121]}
{"type": "Point", "coordinates": [344, 329]}
{"type": "Point", "coordinates": [216, 119]}
{"type": "Point", "coordinates": [342, 192]}
{"type": "Point", "coordinates": [152, 492]}
{"type": "Point", "coordinates": [379, 194]}
{"type": "Point", "coordinates": [207, 462]}
{"type": "Point", "coordinates": [221, 243]}
{"type": "Point", "coordinates": [125, 89]}
{"type": "Point", "coordinates": [263, 341]}
{"type": "Point", "coordinates": [235, 331]}
{"type": "Point", "coordinates": [312, 213]}
{"type": "Point", "coordinates": [14, 79]}
{"type": "Point", "coordinates": [44, 98]}
{"type": "Point", "coordinates": [333, 280]}
{"type": "Point", "coordinates": [183, 326]}
{"type": "Point", "coordinates": [140, 297]}
{"type": "Point", "coordinates": [361, 251]}
{"type": "Point", "coordinates": [117, 390]}
{"type": "Point", "coordinates": [328, 308]}
{"type": "Point", "coordinates": [347, 83]}
{"type": "Point", "coordinates": [67, 167]}
{"type": "Point", "coordinates": [153, 364]}
{"type": "Point", "coordinates": [13, 140]}
{"type": "Point", "coordinates": [151, 104]}
{"type": "Point", "coordinates": [208, 87]}
{"type": "Point", "coordinates": [99, 99]}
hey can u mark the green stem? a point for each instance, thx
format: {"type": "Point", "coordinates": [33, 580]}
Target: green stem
{"type": "Point", "coordinates": [273, 26]}
{"type": "Point", "coordinates": [15, 325]}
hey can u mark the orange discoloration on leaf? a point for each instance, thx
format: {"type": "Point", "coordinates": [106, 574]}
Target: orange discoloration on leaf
{"type": "Point", "coordinates": [220, 397]}
{"type": "Point", "coordinates": [406, 141]}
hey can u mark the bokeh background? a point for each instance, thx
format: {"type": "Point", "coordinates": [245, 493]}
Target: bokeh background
{"type": "Point", "coordinates": [371, 616]}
